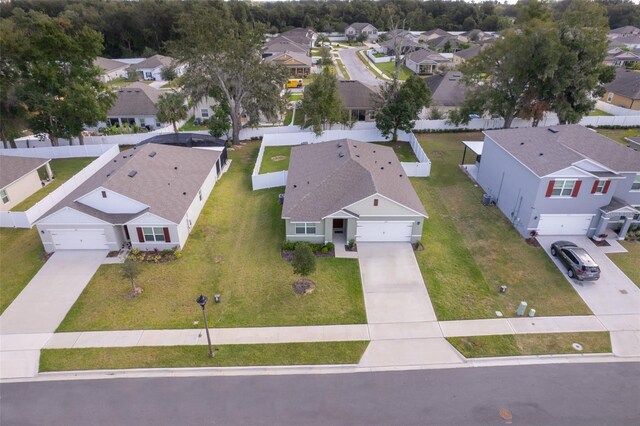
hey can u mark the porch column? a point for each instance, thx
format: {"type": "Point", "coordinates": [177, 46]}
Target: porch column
{"type": "Point", "coordinates": [49, 172]}
{"type": "Point", "coordinates": [602, 225]}
{"type": "Point", "coordinates": [625, 228]}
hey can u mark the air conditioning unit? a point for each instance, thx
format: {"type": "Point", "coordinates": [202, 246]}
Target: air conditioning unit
{"type": "Point", "coordinates": [486, 199]}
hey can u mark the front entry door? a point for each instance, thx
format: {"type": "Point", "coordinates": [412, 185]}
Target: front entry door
{"type": "Point", "coordinates": [338, 226]}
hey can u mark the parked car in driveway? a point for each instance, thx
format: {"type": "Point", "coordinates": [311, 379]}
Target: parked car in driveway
{"type": "Point", "coordinates": [578, 262]}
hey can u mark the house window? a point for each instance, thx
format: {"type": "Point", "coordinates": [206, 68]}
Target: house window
{"type": "Point", "coordinates": [4, 196]}
{"type": "Point", "coordinates": [635, 186]}
{"type": "Point", "coordinates": [304, 228]}
{"type": "Point", "coordinates": [142, 123]}
{"type": "Point", "coordinates": [563, 188]}
{"type": "Point", "coordinates": [153, 234]}
{"type": "Point", "coordinates": [600, 187]}
{"type": "Point", "coordinates": [375, 202]}
{"type": "Point", "coordinates": [204, 112]}
{"type": "Point", "coordinates": [148, 75]}
{"type": "Point", "coordinates": [104, 194]}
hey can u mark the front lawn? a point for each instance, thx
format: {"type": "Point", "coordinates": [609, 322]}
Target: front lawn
{"type": "Point", "coordinates": [20, 258]}
{"type": "Point", "coordinates": [275, 159]}
{"type": "Point", "coordinates": [197, 356]}
{"type": "Point", "coordinates": [389, 68]}
{"type": "Point", "coordinates": [618, 135]}
{"type": "Point", "coordinates": [63, 169]}
{"type": "Point", "coordinates": [402, 149]}
{"type": "Point", "coordinates": [531, 344]}
{"type": "Point", "coordinates": [471, 250]}
{"type": "Point", "coordinates": [629, 262]}
{"type": "Point", "coordinates": [234, 250]}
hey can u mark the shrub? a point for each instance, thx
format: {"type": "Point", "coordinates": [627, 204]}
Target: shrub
{"type": "Point", "coordinates": [288, 245]}
{"type": "Point", "coordinates": [330, 246]}
{"type": "Point", "coordinates": [325, 250]}
{"type": "Point", "coordinates": [351, 244]}
{"type": "Point", "coordinates": [303, 262]}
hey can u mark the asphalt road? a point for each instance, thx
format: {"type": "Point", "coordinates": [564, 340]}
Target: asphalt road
{"type": "Point", "coordinates": [569, 394]}
{"type": "Point", "coordinates": [357, 70]}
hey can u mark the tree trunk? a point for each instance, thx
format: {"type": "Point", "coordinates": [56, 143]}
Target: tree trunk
{"type": "Point", "coordinates": [133, 285]}
{"type": "Point", "coordinates": [395, 135]}
{"type": "Point", "coordinates": [54, 140]}
{"type": "Point", "coordinates": [507, 121]}
{"type": "Point", "coordinates": [236, 122]}
{"type": "Point", "coordinates": [175, 126]}
{"type": "Point", "coordinates": [5, 143]}
{"type": "Point", "coordinates": [81, 139]}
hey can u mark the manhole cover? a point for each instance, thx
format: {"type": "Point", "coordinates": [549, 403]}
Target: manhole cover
{"type": "Point", "coordinates": [505, 414]}
{"type": "Point", "coordinates": [577, 346]}
{"type": "Point", "coordinates": [623, 291]}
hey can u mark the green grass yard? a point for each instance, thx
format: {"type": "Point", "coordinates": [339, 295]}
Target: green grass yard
{"type": "Point", "coordinates": [189, 126]}
{"type": "Point", "coordinates": [629, 262]}
{"type": "Point", "coordinates": [20, 258]}
{"type": "Point", "coordinates": [197, 356]}
{"type": "Point", "coordinates": [599, 113]}
{"type": "Point", "coordinates": [402, 149]}
{"type": "Point", "coordinates": [275, 159]}
{"type": "Point", "coordinates": [531, 344]}
{"type": "Point", "coordinates": [618, 135]}
{"type": "Point", "coordinates": [63, 169]}
{"type": "Point", "coordinates": [388, 68]}
{"type": "Point", "coordinates": [470, 250]}
{"type": "Point", "coordinates": [343, 69]}
{"type": "Point", "coordinates": [234, 250]}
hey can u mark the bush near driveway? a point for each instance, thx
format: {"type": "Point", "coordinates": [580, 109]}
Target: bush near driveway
{"type": "Point", "coordinates": [234, 250]}
{"type": "Point", "coordinates": [471, 250]}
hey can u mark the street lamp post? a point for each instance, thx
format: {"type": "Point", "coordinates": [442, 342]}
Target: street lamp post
{"type": "Point", "coordinates": [202, 301]}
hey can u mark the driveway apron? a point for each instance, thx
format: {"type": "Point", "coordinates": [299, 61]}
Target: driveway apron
{"type": "Point", "coordinates": [402, 323]}
{"type": "Point", "coordinates": [36, 313]}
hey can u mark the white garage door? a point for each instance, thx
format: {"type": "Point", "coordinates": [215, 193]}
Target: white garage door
{"type": "Point", "coordinates": [379, 231]}
{"type": "Point", "coordinates": [564, 224]}
{"type": "Point", "coordinates": [80, 239]}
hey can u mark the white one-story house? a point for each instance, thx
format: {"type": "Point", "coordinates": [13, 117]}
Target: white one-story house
{"type": "Point", "coordinates": [19, 178]}
{"type": "Point", "coordinates": [151, 68]}
{"type": "Point", "coordinates": [148, 197]}
{"type": "Point", "coordinates": [111, 68]}
{"type": "Point", "coordinates": [346, 189]}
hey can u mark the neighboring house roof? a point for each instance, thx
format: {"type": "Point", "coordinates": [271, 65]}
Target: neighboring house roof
{"type": "Point", "coordinates": [545, 150]}
{"type": "Point", "coordinates": [469, 53]}
{"type": "Point", "coordinates": [627, 40]}
{"type": "Point", "coordinates": [626, 83]}
{"type": "Point", "coordinates": [440, 42]}
{"type": "Point", "coordinates": [436, 31]}
{"type": "Point", "coordinates": [167, 182]}
{"type": "Point", "coordinates": [321, 182]}
{"type": "Point", "coordinates": [446, 89]}
{"type": "Point", "coordinates": [284, 44]}
{"type": "Point", "coordinates": [108, 65]}
{"type": "Point", "coordinates": [404, 42]}
{"type": "Point", "coordinates": [13, 168]}
{"type": "Point", "coordinates": [399, 33]}
{"type": "Point", "coordinates": [426, 56]}
{"type": "Point", "coordinates": [290, 59]}
{"type": "Point", "coordinates": [303, 36]}
{"type": "Point", "coordinates": [155, 61]}
{"type": "Point", "coordinates": [355, 95]}
{"type": "Point", "coordinates": [359, 26]}
{"type": "Point", "coordinates": [628, 29]}
{"type": "Point", "coordinates": [134, 100]}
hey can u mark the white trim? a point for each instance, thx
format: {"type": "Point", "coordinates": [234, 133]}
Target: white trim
{"type": "Point", "coordinates": [102, 188]}
{"type": "Point", "coordinates": [377, 194]}
{"type": "Point", "coordinates": [346, 215]}
{"type": "Point", "coordinates": [69, 208]}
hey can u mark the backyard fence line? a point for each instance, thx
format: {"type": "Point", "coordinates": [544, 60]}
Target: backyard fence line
{"type": "Point", "coordinates": [27, 218]}
{"type": "Point", "coordinates": [614, 109]}
{"type": "Point", "coordinates": [58, 151]}
{"type": "Point", "coordinates": [422, 168]}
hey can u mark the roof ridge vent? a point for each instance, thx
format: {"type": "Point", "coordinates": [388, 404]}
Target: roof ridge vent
{"type": "Point", "coordinates": [339, 144]}
{"type": "Point", "coordinates": [341, 154]}
{"type": "Point", "coordinates": [132, 173]}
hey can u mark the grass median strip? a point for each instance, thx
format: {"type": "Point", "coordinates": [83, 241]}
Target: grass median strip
{"type": "Point", "coordinates": [531, 344]}
{"type": "Point", "coordinates": [320, 353]}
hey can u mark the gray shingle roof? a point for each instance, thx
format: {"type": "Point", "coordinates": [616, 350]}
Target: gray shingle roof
{"type": "Point", "coordinates": [629, 29]}
{"type": "Point", "coordinates": [168, 182]}
{"type": "Point", "coordinates": [437, 31]}
{"type": "Point", "coordinates": [468, 53]}
{"type": "Point", "coordinates": [284, 56]}
{"type": "Point", "coordinates": [359, 26]}
{"type": "Point", "coordinates": [154, 62]}
{"type": "Point", "coordinates": [355, 95]}
{"type": "Point", "coordinates": [109, 64]}
{"type": "Point", "coordinates": [446, 89]}
{"type": "Point", "coordinates": [626, 83]}
{"type": "Point", "coordinates": [545, 152]}
{"type": "Point", "coordinates": [421, 56]}
{"type": "Point", "coordinates": [13, 168]}
{"type": "Point", "coordinates": [281, 44]}
{"type": "Point", "coordinates": [134, 100]}
{"type": "Point", "coordinates": [320, 182]}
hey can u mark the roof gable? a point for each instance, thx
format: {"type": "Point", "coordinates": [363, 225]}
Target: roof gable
{"type": "Point", "coordinates": [134, 100]}
{"type": "Point", "coordinates": [14, 168]}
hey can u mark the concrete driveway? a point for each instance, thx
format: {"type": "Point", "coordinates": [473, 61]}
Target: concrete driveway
{"type": "Point", "coordinates": [356, 69]}
{"type": "Point", "coordinates": [614, 293]}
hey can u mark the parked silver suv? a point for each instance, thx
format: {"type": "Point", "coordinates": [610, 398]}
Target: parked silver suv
{"type": "Point", "coordinates": [578, 262]}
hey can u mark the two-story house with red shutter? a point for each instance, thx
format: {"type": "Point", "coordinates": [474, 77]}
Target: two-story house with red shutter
{"type": "Point", "coordinates": [561, 180]}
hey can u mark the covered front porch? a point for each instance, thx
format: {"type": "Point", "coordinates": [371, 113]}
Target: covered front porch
{"type": "Point", "coordinates": [616, 218]}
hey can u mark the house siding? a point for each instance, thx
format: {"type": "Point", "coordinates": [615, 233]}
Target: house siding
{"type": "Point", "coordinates": [622, 101]}
{"type": "Point", "coordinates": [21, 189]}
{"type": "Point", "coordinates": [113, 203]}
{"type": "Point", "coordinates": [623, 189]}
{"type": "Point", "coordinates": [193, 212]}
{"type": "Point", "coordinates": [317, 238]}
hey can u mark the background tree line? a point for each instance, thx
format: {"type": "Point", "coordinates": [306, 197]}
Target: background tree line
{"type": "Point", "coordinates": [143, 27]}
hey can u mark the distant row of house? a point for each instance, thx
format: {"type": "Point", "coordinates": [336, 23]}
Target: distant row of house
{"type": "Point", "coordinates": [149, 69]}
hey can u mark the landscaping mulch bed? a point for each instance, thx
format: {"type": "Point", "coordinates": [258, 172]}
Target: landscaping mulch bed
{"type": "Point", "coordinates": [155, 256]}
{"type": "Point", "coordinates": [533, 242]}
{"type": "Point", "coordinates": [303, 287]}
{"type": "Point", "coordinates": [288, 254]}
{"type": "Point", "coordinates": [113, 253]}
{"type": "Point", "coordinates": [601, 243]}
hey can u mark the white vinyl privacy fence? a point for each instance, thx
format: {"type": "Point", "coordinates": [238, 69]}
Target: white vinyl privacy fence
{"type": "Point", "coordinates": [421, 168]}
{"type": "Point", "coordinates": [26, 219]}
{"type": "Point", "coordinates": [58, 151]}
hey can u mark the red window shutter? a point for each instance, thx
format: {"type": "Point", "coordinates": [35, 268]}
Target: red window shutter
{"type": "Point", "coordinates": [140, 235]}
{"type": "Point", "coordinates": [594, 188]}
{"type": "Point", "coordinates": [550, 188]}
{"type": "Point", "coordinates": [576, 188]}
{"type": "Point", "coordinates": [606, 187]}
{"type": "Point", "coordinates": [167, 237]}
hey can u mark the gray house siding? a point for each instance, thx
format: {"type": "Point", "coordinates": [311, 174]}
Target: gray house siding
{"type": "Point", "coordinates": [317, 238]}
{"type": "Point", "coordinates": [623, 190]}
{"type": "Point", "coordinates": [512, 186]}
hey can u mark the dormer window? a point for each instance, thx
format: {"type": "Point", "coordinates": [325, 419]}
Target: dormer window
{"type": "Point", "coordinates": [375, 202]}
{"type": "Point", "coordinates": [104, 194]}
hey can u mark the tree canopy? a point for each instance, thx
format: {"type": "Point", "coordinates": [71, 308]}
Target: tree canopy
{"type": "Point", "coordinates": [321, 104]}
{"type": "Point", "coordinates": [399, 105]}
{"type": "Point", "coordinates": [171, 108]}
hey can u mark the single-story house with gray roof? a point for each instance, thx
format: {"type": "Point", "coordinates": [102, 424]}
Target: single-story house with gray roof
{"type": "Point", "coordinates": [346, 189]}
{"type": "Point", "coordinates": [447, 90]}
{"type": "Point", "coordinates": [624, 90]}
{"type": "Point", "coordinates": [425, 61]}
{"type": "Point", "coordinates": [19, 178]}
{"type": "Point", "coordinates": [135, 104]}
{"type": "Point", "coordinates": [561, 180]}
{"type": "Point", "coordinates": [358, 99]}
{"type": "Point", "coordinates": [148, 197]}
{"type": "Point", "coordinates": [111, 68]}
